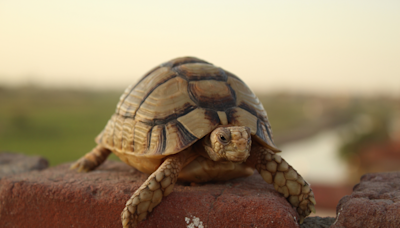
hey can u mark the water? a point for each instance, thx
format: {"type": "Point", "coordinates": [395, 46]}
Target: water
{"type": "Point", "coordinates": [316, 158]}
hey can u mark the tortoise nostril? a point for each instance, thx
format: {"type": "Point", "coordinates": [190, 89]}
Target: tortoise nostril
{"type": "Point", "coordinates": [236, 135]}
{"type": "Point", "coordinates": [241, 145]}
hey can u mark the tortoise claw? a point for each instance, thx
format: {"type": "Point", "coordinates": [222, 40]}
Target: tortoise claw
{"type": "Point", "coordinates": [82, 165]}
{"type": "Point", "coordinates": [91, 160]}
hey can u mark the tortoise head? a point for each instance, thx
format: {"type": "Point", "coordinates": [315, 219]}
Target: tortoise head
{"type": "Point", "coordinates": [229, 144]}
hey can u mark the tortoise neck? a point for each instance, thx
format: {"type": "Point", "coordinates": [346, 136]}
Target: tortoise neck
{"type": "Point", "coordinates": [200, 146]}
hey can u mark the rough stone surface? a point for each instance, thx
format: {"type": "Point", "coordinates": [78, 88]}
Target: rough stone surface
{"type": "Point", "coordinates": [317, 222]}
{"type": "Point", "coordinates": [375, 202]}
{"type": "Point", "coordinates": [59, 197]}
{"type": "Point", "coordinates": [13, 163]}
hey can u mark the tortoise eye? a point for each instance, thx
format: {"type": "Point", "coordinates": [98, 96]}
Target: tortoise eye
{"type": "Point", "coordinates": [222, 135]}
{"type": "Point", "coordinates": [223, 138]}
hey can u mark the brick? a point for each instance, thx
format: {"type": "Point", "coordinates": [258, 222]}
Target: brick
{"type": "Point", "coordinates": [59, 197]}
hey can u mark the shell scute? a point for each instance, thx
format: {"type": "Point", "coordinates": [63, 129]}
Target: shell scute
{"type": "Point", "coordinates": [134, 96]}
{"type": "Point", "coordinates": [157, 139]}
{"type": "Point", "coordinates": [246, 99]}
{"type": "Point", "coordinates": [166, 102]}
{"type": "Point", "coordinates": [127, 134]}
{"type": "Point", "coordinates": [240, 117]}
{"type": "Point", "coordinates": [140, 137]}
{"type": "Point", "coordinates": [216, 95]}
{"type": "Point", "coordinates": [178, 137]}
{"type": "Point", "coordinates": [205, 122]}
{"type": "Point", "coordinates": [200, 71]}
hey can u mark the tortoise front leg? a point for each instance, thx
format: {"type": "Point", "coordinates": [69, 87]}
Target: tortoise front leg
{"type": "Point", "coordinates": [92, 159]}
{"type": "Point", "coordinates": [286, 180]}
{"type": "Point", "coordinates": [158, 185]}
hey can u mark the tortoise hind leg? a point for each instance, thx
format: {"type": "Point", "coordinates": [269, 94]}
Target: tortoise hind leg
{"type": "Point", "coordinates": [286, 180]}
{"type": "Point", "coordinates": [92, 159]}
{"type": "Point", "coordinates": [158, 185]}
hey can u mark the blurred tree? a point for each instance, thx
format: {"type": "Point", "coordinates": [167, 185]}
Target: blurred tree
{"type": "Point", "coordinates": [366, 129]}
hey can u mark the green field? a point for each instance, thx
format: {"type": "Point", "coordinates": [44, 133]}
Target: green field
{"type": "Point", "coordinates": [57, 124]}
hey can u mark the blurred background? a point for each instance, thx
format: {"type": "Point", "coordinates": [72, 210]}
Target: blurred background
{"type": "Point", "coordinates": [327, 72]}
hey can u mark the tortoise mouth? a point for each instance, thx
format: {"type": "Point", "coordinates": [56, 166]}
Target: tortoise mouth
{"type": "Point", "coordinates": [235, 156]}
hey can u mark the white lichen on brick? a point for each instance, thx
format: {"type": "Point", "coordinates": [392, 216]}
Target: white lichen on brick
{"type": "Point", "coordinates": [194, 222]}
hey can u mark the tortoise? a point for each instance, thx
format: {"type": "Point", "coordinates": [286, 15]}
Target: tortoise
{"type": "Point", "coordinates": [190, 120]}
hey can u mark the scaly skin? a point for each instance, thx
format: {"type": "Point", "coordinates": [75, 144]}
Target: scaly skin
{"type": "Point", "coordinates": [158, 185]}
{"type": "Point", "coordinates": [92, 159]}
{"type": "Point", "coordinates": [286, 180]}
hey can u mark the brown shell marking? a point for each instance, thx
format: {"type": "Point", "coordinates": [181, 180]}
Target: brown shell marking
{"type": "Point", "coordinates": [166, 102]}
{"type": "Point", "coordinates": [215, 95]}
{"type": "Point", "coordinates": [178, 103]}
{"type": "Point", "coordinates": [246, 99]}
{"type": "Point", "coordinates": [201, 71]}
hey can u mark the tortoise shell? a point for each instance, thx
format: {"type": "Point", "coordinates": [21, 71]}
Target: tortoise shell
{"type": "Point", "coordinates": [176, 104]}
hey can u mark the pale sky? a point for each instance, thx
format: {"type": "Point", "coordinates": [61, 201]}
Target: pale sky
{"type": "Point", "coordinates": [326, 46]}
